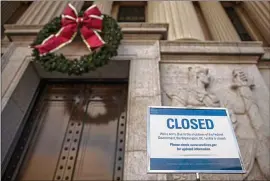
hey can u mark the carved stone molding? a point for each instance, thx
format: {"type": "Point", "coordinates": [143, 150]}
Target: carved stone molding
{"type": "Point", "coordinates": [243, 103]}
{"type": "Point", "coordinates": [248, 107]}
{"type": "Point", "coordinates": [210, 52]}
{"type": "Point", "coordinates": [158, 31]}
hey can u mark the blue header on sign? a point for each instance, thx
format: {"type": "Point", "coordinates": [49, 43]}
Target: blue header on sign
{"type": "Point", "coordinates": [188, 112]}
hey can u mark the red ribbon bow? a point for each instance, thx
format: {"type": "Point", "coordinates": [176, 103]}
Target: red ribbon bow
{"type": "Point", "coordinates": [91, 23]}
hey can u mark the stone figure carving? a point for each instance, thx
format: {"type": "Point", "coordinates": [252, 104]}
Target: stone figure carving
{"type": "Point", "coordinates": [196, 93]}
{"type": "Point", "coordinates": [253, 135]}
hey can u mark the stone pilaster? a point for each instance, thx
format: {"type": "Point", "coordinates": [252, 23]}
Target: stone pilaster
{"type": "Point", "coordinates": [259, 12]}
{"type": "Point", "coordinates": [219, 24]}
{"type": "Point", "coordinates": [181, 17]}
{"type": "Point", "coordinates": [104, 6]}
{"type": "Point", "coordinates": [144, 90]}
{"type": "Point", "coordinates": [41, 12]}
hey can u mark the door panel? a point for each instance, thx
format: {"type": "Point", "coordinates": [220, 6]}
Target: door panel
{"type": "Point", "coordinates": [98, 143]}
{"type": "Point", "coordinates": [79, 134]}
{"type": "Point", "coordinates": [48, 143]}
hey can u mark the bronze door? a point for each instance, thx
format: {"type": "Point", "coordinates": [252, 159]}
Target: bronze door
{"type": "Point", "coordinates": [79, 135]}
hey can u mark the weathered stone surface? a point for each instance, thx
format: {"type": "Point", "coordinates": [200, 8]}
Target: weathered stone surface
{"type": "Point", "coordinates": [137, 122]}
{"type": "Point", "coordinates": [144, 78]}
{"type": "Point", "coordinates": [136, 166]}
{"type": "Point", "coordinates": [250, 110]}
{"type": "Point", "coordinates": [144, 91]}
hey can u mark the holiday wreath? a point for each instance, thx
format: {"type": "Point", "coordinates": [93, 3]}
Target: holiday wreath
{"type": "Point", "coordinates": [100, 33]}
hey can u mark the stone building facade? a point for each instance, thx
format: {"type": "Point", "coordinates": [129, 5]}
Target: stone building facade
{"type": "Point", "coordinates": [169, 50]}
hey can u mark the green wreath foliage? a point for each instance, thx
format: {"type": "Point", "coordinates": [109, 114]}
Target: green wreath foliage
{"type": "Point", "coordinates": [111, 34]}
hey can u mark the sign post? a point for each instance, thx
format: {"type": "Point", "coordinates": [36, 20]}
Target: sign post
{"type": "Point", "coordinates": [191, 140]}
{"type": "Point", "coordinates": [197, 177]}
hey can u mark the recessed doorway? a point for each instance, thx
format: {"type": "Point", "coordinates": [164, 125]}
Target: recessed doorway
{"type": "Point", "coordinates": [76, 131]}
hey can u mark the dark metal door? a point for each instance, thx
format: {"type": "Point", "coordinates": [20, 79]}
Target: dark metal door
{"type": "Point", "coordinates": [80, 134]}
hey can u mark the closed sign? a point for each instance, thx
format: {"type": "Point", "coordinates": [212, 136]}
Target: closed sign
{"type": "Point", "coordinates": [185, 140]}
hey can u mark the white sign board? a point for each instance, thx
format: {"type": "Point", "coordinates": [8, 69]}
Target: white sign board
{"type": "Point", "coordinates": [191, 140]}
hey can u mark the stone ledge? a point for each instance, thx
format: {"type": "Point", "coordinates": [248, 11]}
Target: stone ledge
{"type": "Point", "coordinates": [209, 59]}
{"type": "Point", "coordinates": [138, 31]}
{"type": "Point", "coordinates": [211, 47]}
{"type": "Point", "coordinates": [210, 52]}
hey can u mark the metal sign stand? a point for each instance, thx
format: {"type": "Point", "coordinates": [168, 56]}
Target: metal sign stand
{"type": "Point", "coordinates": [198, 177]}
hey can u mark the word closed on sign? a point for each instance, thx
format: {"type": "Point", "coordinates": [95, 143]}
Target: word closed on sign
{"type": "Point", "coordinates": [190, 124]}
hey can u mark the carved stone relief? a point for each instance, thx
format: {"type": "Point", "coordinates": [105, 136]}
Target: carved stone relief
{"type": "Point", "coordinates": [253, 135]}
{"type": "Point", "coordinates": [195, 94]}
{"type": "Point", "coordinates": [197, 86]}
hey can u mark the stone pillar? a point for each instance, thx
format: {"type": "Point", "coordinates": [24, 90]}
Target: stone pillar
{"type": "Point", "coordinates": [152, 12]}
{"type": "Point", "coordinates": [186, 21]}
{"type": "Point", "coordinates": [259, 12]}
{"type": "Point", "coordinates": [168, 14]}
{"type": "Point", "coordinates": [159, 12]}
{"type": "Point", "coordinates": [181, 16]}
{"type": "Point", "coordinates": [104, 6]}
{"type": "Point", "coordinates": [41, 12]}
{"type": "Point", "coordinates": [218, 22]}
{"type": "Point", "coordinates": [144, 91]}
{"type": "Point", "coordinates": [248, 24]}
